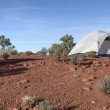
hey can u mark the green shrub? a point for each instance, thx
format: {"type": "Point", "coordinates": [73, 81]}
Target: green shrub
{"type": "Point", "coordinates": [104, 85]}
{"type": "Point", "coordinates": [20, 53]}
{"type": "Point", "coordinates": [91, 54]}
{"type": "Point", "coordinates": [78, 60]}
{"type": "Point", "coordinates": [74, 60]}
{"type": "Point", "coordinates": [44, 105]}
{"type": "Point", "coordinates": [5, 56]}
{"type": "Point", "coordinates": [13, 52]}
{"type": "Point", "coordinates": [28, 53]}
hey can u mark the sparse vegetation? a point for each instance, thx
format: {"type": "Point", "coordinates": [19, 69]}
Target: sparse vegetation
{"type": "Point", "coordinates": [91, 54]}
{"type": "Point", "coordinates": [104, 85]}
{"type": "Point", "coordinates": [64, 48]}
{"type": "Point", "coordinates": [28, 53]}
{"type": "Point", "coordinates": [5, 56]}
{"type": "Point", "coordinates": [6, 46]}
{"type": "Point", "coordinates": [78, 60]}
{"type": "Point", "coordinates": [44, 105]}
{"type": "Point", "coordinates": [43, 51]}
{"type": "Point", "coordinates": [29, 101]}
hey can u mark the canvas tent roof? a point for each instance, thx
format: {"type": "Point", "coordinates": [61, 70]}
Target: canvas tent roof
{"type": "Point", "coordinates": [91, 42]}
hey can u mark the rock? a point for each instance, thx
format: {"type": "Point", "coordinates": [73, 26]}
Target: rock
{"type": "Point", "coordinates": [1, 83]}
{"type": "Point", "coordinates": [84, 67]}
{"type": "Point", "coordinates": [97, 64]}
{"type": "Point", "coordinates": [89, 83]}
{"type": "Point", "coordinates": [31, 64]}
{"type": "Point", "coordinates": [104, 65]}
{"type": "Point", "coordinates": [93, 102]}
{"type": "Point", "coordinates": [10, 68]}
{"type": "Point", "coordinates": [15, 109]}
{"type": "Point", "coordinates": [91, 78]}
{"type": "Point", "coordinates": [84, 80]}
{"type": "Point", "coordinates": [87, 88]}
{"type": "Point", "coordinates": [105, 108]}
{"type": "Point", "coordinates": [73, 68]}
{"type": "Point", "coordinates": [25, 65]}
{"type": "Point", "coordinates": [76, 75]}
{"type": "Point", "coordinates": [43, 63]}
{"type": "Point", "coordinates": [23, 81]}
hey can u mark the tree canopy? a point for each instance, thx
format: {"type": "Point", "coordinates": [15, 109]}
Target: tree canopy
{"type": "Point", "coordinates": [43, 51]}
{"type": "Point", "coordinates": [5, 46]}
{"type": "Point", "coordinates": [64, 48]}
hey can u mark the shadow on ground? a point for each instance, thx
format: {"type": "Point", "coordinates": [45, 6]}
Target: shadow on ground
{"type": "Point", "coordinates": [7, 70]}
{"type": "Point", "coordinates": [14, 61]}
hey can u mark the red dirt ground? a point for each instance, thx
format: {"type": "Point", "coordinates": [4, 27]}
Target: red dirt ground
{"type": "Point", "coordinates": [66, 86]}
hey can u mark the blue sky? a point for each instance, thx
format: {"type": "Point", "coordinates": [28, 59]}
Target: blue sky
{"type": "Point", "coordinates": [33, 24]}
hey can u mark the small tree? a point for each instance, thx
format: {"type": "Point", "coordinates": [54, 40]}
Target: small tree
{"type": "Point", "coordinates": [5, 45]}
{"type": "Point", "coordinates": [56, 50]}
{"type": "Point", "coordinates": [43, 51]}
{"type": "Point", "coordinates": [67, 44]}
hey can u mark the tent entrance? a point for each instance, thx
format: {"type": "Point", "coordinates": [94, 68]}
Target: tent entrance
{"type": "Point", "coordinates": [105, 47]}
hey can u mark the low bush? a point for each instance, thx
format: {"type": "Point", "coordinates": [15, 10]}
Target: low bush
{"type": "Point", "coordinates": [29, 101]}
{"type": "Point", "coordinates": [28, 53]}
{"type": "Point", "coordinates": [91, 54]}
{"type": "Point", "coordinates": [44, 105]}
{"type": "Point", "coordinates": [5, 56]}
{"type": "Point", "coordinates": [32, 102]}
{"type": "Point", "coordinates": [78, 60]}
{"type": "Point", "coordinates": [104, 85]}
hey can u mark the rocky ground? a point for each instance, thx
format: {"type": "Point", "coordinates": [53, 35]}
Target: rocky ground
{"type": "Point", "coordinates": [64, 85]}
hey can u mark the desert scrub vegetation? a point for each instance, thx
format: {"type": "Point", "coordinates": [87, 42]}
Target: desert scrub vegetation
{"type": "Point", "coordinates": [31, 102]}
{"type": "Point", "coordinates": [5, 56]}
{"type": "Point", "coordinates": [78, 60]}
{"type": "Point", "coordinates": [104, 85]}
{"type": "Point", "coordinates": [28, 53]}
{"type": "Point", "coordinates": [5, 47]}
{"type": "Point", "coordinates": [91, 54]}
{"type": "Point", "coordinates": [44, 105]}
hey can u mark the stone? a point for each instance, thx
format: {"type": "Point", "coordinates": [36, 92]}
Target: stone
{"type": "Point", "coordinates": [73, 68]}
{"type": "Point", "coordinates": [89, 83]}
{"type": "Point", "coordinates": [15, 109]}
{"type": "Point", "coordinates": [84, 80]}
{"type": "Point", "coordinates": [91, 78]}
{"type": "Point", "coordinates": [104, 65]}
{"type": "Point", "coordinates": [76, 75]}
{"type": "Point", "coordinates": [42, 62]}
{"type": "Point", "coordinates": [105, 108]}
{"type": "Point", "coordinates": [93, 102]}
{"type": "Point", "coordinates": [84, 67]}
{"type": "Point", "coordinates": [1, 83]}
{"type": "Point", "coordinates": [25, 65]}
{"type": "Point", "coordinates": [97, 64]}
{"type": "Point", "coordinates": [87, 88]}
{"type": "Point", "coordinates": [23, 81]}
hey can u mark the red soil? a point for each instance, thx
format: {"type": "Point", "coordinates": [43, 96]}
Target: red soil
{"type": "Point", "coordinates": [66, 86]}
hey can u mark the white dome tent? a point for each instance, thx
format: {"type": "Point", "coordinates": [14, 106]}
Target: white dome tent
{"type": "Point", "coordinates": [97, 41]}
